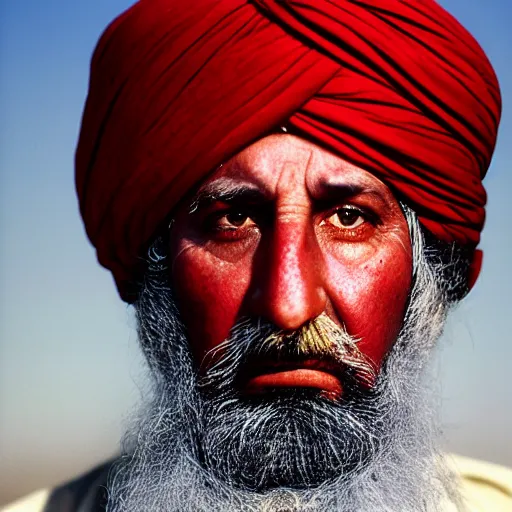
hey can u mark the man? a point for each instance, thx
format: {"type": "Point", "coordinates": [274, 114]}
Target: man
{"type": "Point", "coordinates": [290, 195]}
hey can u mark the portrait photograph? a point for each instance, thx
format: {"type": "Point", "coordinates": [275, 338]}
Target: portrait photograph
{"type": "Point", "coordinates": [255, 256]}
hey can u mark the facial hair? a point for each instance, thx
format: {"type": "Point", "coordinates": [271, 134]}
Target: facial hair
{"type": "Point", "coordinates": [201, 446]}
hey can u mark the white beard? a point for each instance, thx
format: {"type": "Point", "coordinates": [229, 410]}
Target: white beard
{"type": "Point", "coordinates": [191, 452]}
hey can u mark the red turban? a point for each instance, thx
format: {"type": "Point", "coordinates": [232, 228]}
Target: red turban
{"type": "Point", "coordinates": [177, 87]}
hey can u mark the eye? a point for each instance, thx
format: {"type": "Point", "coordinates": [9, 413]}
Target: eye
{"type": "Point", "coordinates": [234, 220]}
{"type": "Point", "coordinates": [347, 218]}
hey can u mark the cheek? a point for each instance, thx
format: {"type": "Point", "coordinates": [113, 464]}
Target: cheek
{"type": "Point", "coordinates": [369, 295]}
{"type": "Point", "coordinates": [210, 292]}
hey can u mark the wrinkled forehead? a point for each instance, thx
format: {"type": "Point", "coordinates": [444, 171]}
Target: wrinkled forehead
{"type": "Point", "coordinates": [282, 163]}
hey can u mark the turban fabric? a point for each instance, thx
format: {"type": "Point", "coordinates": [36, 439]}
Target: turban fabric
{"type": "Point", "coordinates": [397, 87]}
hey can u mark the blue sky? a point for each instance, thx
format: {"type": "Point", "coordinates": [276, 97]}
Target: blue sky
{"type": "Point", "coordinates": [68, 360]}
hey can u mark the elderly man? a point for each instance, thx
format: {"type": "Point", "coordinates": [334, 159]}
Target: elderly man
{"type": "Point", "coordinates": [290, 195]}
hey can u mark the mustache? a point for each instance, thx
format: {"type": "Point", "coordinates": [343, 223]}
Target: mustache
{"type": "Point", "coordinates": [256, 343]}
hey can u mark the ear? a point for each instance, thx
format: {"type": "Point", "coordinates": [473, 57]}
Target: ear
{"type": "Point", "coordinates": [475, 267]}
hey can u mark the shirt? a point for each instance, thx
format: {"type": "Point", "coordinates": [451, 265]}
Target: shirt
{"type": "Point", "coordinates": [485, 487]}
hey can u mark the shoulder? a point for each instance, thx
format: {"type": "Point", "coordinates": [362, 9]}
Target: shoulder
{"type": "Point", "coordinates": [36, 502]}
{"type": "Point", "coordinates": [484, 486]}
{"type": "Point", "coordinates": [86, 493]}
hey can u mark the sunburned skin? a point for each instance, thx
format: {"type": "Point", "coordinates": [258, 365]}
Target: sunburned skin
{"type": "Point", "coordinates": [287, 231]}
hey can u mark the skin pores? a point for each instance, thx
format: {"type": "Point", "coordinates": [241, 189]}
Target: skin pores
{"type": "Point", "coordinates": [286, 231]}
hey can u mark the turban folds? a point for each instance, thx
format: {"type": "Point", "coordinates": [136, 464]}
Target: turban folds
{"type": "Point", "coordinates": [396, 87]}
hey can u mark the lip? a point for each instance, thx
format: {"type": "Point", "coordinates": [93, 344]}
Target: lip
{"type": "Point", "coordinates": [307, 374]}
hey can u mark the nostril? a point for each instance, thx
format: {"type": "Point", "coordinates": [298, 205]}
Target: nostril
{"type": "Point", "coordinates": [256, 293]}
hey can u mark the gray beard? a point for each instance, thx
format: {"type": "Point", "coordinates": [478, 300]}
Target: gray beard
{"type": "Point", "coordinates": [200, 446]}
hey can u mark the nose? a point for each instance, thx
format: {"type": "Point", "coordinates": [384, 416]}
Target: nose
{"type": "Point", "coordinates": [288, 286]}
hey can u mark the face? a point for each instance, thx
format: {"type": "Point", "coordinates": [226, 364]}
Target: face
{"type": "Point", "coordinates": [285, 231]}
{"type": "Point", "coordinates": [282, 242]}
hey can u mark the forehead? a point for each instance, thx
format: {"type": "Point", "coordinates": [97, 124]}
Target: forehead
{"type": "Point", "coordinates": [283, 162]}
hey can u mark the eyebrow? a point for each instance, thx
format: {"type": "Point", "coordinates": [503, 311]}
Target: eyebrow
{"type": "Point", "coordinates": [332, 191]}
{"type": "Point", "coordinates": [229, 191]}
